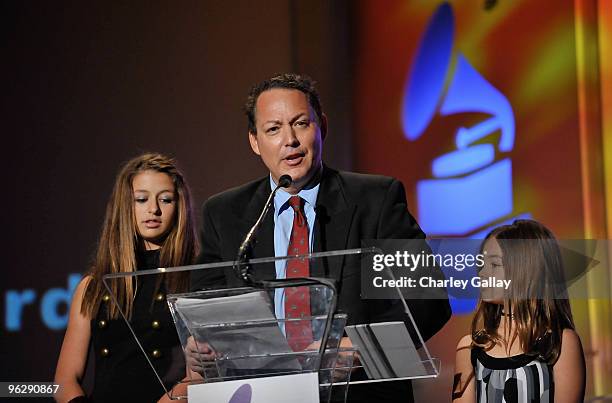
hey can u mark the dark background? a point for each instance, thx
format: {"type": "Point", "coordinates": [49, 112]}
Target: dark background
{"type": "Point", "coordinates": [88, 85]}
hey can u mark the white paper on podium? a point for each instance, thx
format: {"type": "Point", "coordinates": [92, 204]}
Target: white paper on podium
{"type": "Point", "coordinates": [252, 306]}
{"type": "Point", "coordinates": [233, 327]}
{"type": "Point", "coordinates": [298, 388]}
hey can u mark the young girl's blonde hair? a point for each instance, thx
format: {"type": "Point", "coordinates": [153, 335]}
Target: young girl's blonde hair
{"type": "Point", "coordinates": [119, 240]}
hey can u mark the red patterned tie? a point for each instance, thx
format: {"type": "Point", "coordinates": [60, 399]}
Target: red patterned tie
{"type": "Point", "coordinates": [297, 299]}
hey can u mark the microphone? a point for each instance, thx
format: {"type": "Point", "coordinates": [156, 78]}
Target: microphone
{"type": "Point", "coordinates": [283, 182]}
{"type": "Point", "coordinates": [240, 269]}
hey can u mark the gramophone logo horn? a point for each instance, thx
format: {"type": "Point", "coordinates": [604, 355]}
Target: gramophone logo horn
{"type": "Point", "coordinates": [469, 188]}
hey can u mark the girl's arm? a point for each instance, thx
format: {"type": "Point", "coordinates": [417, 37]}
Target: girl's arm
{"type": "Point", "coordinates": [464, 389]}
{"type": "Point", "coordinates": [569, 370]}
{"type": "Point", "coordinates": [180, 389]}
{"type": "Point", "coordinates": [73, 356]}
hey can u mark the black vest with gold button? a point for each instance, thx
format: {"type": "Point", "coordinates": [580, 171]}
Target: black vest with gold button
{"type": "Point", "coordinates": [122, 373]}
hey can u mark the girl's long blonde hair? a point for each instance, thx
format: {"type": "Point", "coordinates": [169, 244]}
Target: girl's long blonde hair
{"type": "Point", "coordinates": [119, 240]}
{"type": "Point", "coordinates": [537, 302]}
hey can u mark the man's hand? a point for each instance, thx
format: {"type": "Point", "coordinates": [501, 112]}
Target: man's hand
{"type": "Point", "coordinates": [344, 360]}
{"type": "Point", "coordinates": [197, 354]}
{"type": "Point", "coordinates": [349, 358]}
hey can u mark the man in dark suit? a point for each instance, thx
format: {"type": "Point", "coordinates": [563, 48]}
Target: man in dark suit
{"type": "Point", "coordinates": [341, 209]}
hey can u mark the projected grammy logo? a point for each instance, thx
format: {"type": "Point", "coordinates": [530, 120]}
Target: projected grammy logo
{"type": "Point", "coordinates": [470, 188]}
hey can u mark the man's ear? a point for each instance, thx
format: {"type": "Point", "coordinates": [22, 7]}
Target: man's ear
{"type": "Point", "coordinates": [323, 126]}
{"type": "Point", "coordinates": [254, 143]}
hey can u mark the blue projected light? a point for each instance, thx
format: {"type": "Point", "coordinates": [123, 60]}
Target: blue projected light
{"type": "Point", "coordinates": [456, 206]}
{"type": "Point", "coordinates": [457, 162]}
{"type": "Point", "coordinates": [470, 92]}
{"type": "Point", "coordinates": [469, 190]}
{"type": "Point", "coordinates": [54, 305]}
{"type": "Point", "coordinates": [423, 90]}
{"type": "Point", "coordinates": [466, 176]}
{"type": "Point", "coordinates": [55, 297]}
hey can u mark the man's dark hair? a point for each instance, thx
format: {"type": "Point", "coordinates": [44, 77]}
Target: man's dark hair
{"type": "Point", "coordinates": [288, 81]}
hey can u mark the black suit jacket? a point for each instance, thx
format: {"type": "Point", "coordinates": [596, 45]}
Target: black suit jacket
{"type": "Point", "coordinates": [350, 208]}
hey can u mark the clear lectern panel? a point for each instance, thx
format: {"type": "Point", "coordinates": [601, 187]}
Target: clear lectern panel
{"type": "Point", "coordinates": [237, 330]}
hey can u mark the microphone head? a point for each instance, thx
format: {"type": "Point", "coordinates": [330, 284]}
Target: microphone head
{"type": "Point", "coordinates": [285, 181]}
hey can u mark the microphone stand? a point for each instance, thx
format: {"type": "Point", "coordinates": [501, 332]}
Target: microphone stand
{"type": "Point", "coordinates": [243, 269]}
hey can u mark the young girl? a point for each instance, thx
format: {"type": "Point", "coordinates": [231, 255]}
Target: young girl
{"type": "Point", "coordinates": [523, 346]}
{"type": "Point", "coordinates": [148, 224]}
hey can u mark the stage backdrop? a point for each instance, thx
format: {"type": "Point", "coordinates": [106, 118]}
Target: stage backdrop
{"type": "Point", "coordinates": [87, 86]}
{"type": "Point", "coordinates": [487, 111]}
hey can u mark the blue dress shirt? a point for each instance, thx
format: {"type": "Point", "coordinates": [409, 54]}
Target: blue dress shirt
{"type": "Point", "coordinates": [283, 222]}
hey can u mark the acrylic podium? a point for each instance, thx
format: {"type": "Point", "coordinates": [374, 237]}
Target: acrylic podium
{"type": "Point", "coordinates": [237, 346]}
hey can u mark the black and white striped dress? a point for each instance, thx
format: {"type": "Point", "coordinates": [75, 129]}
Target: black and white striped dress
{"type": "Point", "coordinates": [520, 378]}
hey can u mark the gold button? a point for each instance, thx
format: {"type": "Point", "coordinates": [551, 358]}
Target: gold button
{"type": "Point", "coordinates": [102, 324]}
{"type": "Point", "coordinates": [155, 324]}
{"type": "Point", "coordinates": [106, 298]}
{"type": "Point", "coordinates": [159, 297]}
{"type": "Point", "coordinates": [105, 352]}
{"type": "Point", "coordinates": [156, 354]}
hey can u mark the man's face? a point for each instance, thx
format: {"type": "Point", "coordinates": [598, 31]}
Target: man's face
{"type": "Point", "coordinates": [289, 138]}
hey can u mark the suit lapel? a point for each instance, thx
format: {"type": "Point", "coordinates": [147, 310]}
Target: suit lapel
{"type": "Point", "coordinates": [332, 224]}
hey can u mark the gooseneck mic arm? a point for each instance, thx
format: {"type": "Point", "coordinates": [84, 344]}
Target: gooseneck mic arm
{"type": "Point", "coordinates": [241, 269]}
